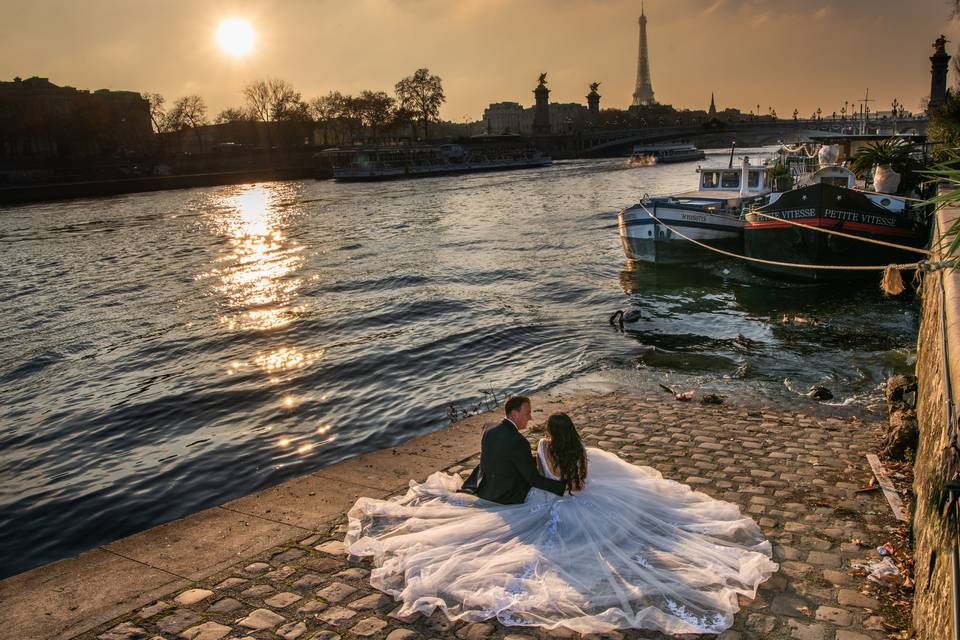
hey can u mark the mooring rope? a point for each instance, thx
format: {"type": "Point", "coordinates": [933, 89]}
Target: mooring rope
{"type": "Point", "coordinates": [799, 148]}
{"type": "Point", "coordinates": [923, 264]}
{"type": "Point", "coordinates": [902, 247]}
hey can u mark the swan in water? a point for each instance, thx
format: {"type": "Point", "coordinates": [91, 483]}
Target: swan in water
{"type": "Point", "coordinates": [626, 316]}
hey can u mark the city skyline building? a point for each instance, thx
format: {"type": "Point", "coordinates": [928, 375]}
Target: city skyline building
{"type": "Point", "coordinates": [643, 93]}
{"type": "Point", "coordinates": [40, 120]}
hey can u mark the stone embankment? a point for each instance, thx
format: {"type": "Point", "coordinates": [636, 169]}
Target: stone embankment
{"type": "Point", "coordinates": [938, 372]}
{"type": "Point", "coordinates": [272, 564]}
{"type": "Point", "coordinates": [101, 188]}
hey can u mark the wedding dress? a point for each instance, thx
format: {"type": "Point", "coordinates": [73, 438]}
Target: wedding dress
{"type": "Point", "coordinates": [631, 550]}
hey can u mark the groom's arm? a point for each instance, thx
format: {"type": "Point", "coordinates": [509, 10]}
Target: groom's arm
{"type": "Point", "coordinates": [523, 461]}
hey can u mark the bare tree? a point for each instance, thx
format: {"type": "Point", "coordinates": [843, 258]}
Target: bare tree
{"type": "Point", "coordinates": [376, 109]}
{"type": "Point", "coordinates": [271, 100]}
{"type": "Point", "coordinates": [326, 110]}
{"type": "Point", "coordinates": [188, 112]}
{"type": "Point", "coordinates": [403, 117]}
{"type": "Point", "coordinates": [157, 112]}
{"type": "Point", "coordinates": [352, 115]}
{"type": "Point", "coordinates": [421, 94]}
{"type": "Point", "coordinates": [299, 122]}
{"type": "Point", "coordinates": [298, 111]}
{"type": "Point", "coordinates": [258, 97]}
{"type": "Point", "coordinates": [233, 114]}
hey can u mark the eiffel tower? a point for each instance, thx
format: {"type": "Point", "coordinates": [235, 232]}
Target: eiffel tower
{"type": "Point", "coordinates": [643, 94]}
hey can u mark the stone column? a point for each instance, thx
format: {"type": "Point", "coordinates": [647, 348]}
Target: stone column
{"type": "Point", "coordinates": [938, 73]}
{"type": "Point", "coordinates": [593, 103]}
{"type": "Point", "coordinates": [541, 114]}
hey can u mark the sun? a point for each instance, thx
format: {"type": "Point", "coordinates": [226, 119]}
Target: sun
{"type": "Point", "coordinates": [236, 37]}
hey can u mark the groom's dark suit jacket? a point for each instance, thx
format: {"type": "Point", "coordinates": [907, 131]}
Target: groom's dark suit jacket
{"type": "Point", "coordinates": [507, 469]}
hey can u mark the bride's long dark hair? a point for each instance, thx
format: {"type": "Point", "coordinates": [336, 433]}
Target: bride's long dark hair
{"type": "Point", "coordinates": [567, 451]}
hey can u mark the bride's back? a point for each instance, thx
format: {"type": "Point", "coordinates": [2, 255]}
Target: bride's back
{"type": "Point", "coordinates": [563, 455]}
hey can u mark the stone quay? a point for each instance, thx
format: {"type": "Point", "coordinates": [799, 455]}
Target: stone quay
{"type": "Point", "coordinates": [273, 564]}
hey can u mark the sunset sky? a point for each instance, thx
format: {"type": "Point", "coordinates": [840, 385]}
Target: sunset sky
{"type": "Point", "coordinates": [777, 53]}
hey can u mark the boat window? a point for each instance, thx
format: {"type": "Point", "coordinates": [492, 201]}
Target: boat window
{"type": "Point", "coordinates": [710, 180]}
{"type": "Point", "coordinates": [837, 181]}
{"type": "Point", "coordinates": [730, 180]}
{"type": "Point", "coordinates": [754, 180]}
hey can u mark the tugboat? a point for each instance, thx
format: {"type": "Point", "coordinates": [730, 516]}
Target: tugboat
{"type": "Point", "coordinates": [711, 215]}
{"type": "Point", "coordinates": [828, 198]}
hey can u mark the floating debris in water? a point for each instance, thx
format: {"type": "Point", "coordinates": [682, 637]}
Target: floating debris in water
{"type": "Point", "coordinates": [821, 393]}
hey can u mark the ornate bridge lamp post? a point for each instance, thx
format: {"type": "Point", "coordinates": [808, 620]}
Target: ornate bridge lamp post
{"type": "Point", "coordinates": [893, 114]}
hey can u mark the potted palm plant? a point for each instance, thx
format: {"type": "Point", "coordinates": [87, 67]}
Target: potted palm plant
{"type": "Point", "coordinates": [779, 176]}
{"type": "Point", "coordinates": [889, 159]}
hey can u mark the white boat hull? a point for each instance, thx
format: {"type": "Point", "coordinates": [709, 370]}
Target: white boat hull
{"type": "Point", "coordinates": [646, 239]}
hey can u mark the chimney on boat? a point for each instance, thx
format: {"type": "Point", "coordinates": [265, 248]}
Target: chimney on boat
{"type": "Point", "coordinates": [744, 175]}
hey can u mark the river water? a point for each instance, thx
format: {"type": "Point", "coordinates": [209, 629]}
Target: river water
{"type": "Point", "coordinates": [165, 352]}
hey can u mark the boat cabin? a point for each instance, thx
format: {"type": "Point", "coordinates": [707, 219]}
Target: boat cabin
{"type": "Point", "coordinates": [725, 189]}
{"type": "Point", "coordinates": [732, 179]}
{"type": "Point", "coordinates": [726, 183]}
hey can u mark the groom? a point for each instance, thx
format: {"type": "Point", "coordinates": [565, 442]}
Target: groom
{"type": "Point", "coordinates": [507, 470]}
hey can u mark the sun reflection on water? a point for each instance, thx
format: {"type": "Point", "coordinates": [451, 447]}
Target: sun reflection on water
{"type": "Point", "coordinates": [256, 279]}
{"type": "Point", "coordinates": [285, 359]}
{"type": "Point", "coordinates": [257, 275]}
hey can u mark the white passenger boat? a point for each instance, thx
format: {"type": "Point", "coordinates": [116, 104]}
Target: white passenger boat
{"type": "Point", "coordinates": [663, 153]}
{"type": "Point", "coordinates": [711, 215]}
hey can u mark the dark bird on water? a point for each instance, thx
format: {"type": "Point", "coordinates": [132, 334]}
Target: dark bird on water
{"type": "Point", "coordinates": [620, 316]}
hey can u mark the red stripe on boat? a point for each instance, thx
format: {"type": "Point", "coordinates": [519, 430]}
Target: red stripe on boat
{"type": "Point", "coordinates": [846, 226]}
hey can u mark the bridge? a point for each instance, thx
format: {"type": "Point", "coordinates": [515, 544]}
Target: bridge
{"type": "Point", "coordinates": [612, 142]}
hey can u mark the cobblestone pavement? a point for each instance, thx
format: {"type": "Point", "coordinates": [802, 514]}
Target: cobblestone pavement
{"type": "Point", "coordinates": [795, 475]}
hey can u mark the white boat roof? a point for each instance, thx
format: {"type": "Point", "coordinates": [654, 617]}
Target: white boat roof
{"type": "Point", "coordinates": [736, 167]}
{"type": "Point", "coordinates": [714, 194]}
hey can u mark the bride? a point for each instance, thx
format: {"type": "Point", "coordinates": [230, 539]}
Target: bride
{"type": "Point", "coordinates": [624, 548]}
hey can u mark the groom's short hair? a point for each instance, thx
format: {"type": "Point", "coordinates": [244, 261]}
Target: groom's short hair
{"type": "Point", "coordinates": [514, 403]}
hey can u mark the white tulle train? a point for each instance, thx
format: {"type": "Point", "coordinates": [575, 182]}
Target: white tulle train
{"type": "Point", "coordinates": [631, 550]}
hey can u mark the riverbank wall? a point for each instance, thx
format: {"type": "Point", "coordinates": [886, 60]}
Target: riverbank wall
{"type": "Point", "coordinates": [99, 188]}
{"type": "Point", "coordinates": [938, 378]}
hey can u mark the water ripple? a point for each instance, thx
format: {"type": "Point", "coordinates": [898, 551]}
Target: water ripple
{"type": "Point", "coordinates": [164, 352]}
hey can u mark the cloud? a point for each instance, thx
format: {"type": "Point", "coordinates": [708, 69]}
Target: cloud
{"type": "Point", "coordinates": [822, 13]}
{"type": "Point", "coordinates": [713, 7]}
